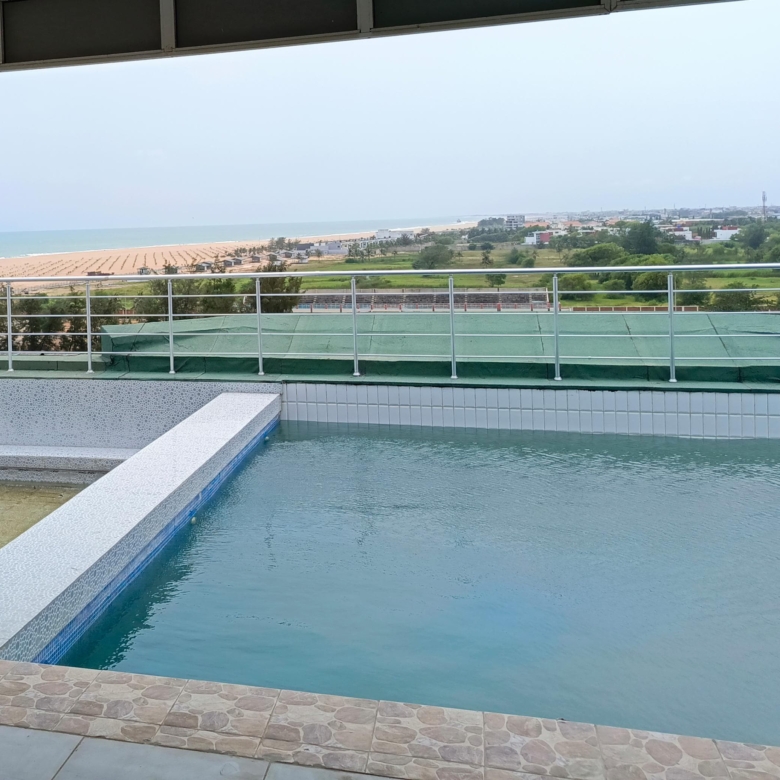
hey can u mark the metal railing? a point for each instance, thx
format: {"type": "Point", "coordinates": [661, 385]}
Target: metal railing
{"type": "Point", "coordinates": [82, 319]}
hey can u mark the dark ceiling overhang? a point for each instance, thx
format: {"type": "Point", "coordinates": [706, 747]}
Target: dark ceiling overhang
{"type": "Point", "coordinates": [45, 33]}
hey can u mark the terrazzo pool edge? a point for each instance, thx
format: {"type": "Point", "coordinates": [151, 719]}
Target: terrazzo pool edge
{"type": "Point", "coordinates": [87, 560]}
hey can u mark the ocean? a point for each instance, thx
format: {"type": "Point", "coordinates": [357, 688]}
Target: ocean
{"type": "Point", "coordinates": [49, 241]}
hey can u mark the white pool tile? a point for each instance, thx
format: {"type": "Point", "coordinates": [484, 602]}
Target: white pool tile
{"type": "Point", "coordinates": [710, 426]}
{"type": "Point", "coordinates": [697, 425]}
{"type": "Point", "coordinates": [722, 425]}
{"type": "Point", "coordinates": [586, 422]}
{"type": "Point", "coordinates": [762, 427]}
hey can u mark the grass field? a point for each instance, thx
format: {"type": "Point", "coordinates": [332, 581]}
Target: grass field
{"type": "Point", "coordinates": [545, 258]}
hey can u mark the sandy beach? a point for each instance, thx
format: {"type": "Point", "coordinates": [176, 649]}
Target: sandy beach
{"type": "Point", "coordinates": [130, 260]}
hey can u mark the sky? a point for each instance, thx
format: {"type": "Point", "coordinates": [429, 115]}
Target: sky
{"type": "Point", "coordinates": [632, 110]}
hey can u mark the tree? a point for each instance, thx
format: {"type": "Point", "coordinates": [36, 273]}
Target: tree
{"type": "Point", "coordinates": [434, 256]}
{"type": "Point", "coordinates": [514, 256]}
{"type": "Point", "coordinates": [496, 280]}
{"type": "Point", "coordinates": [692, 297]}
{"type": "Point", "coordinates": [529, 260]}
{"type": "Point", "coordinates": [598, 255]}
{"type": "Point", "coordinates": [283, 292]}
{"type": "Point", "coordinates": [570, 282]}
{"type": "Point", "coordinates": [487, 247]}
{"type": "Point", "coordinates": [651, 280]}
{"type": "Point", "coordinates": [486, 258]}
{"type": "Point", "coordinates": [742, 300]}
{"type": "Point", "coordinates": [641, 239]}
{"type": "Point", "coordinates": [752, 236]}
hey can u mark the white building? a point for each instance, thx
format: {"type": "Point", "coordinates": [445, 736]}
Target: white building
{"type": "Point", "coordinates": [726, 234]}
{"type": "Point", "coordinates": [394, 235]}
{"type": "Point", "coordinates": [331, 247]}
{"type": "Point", "coordinates": [515, 221]}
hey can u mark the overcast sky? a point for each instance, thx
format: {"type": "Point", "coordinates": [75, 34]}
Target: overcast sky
{"type": "Point", "coordinates": [648, 108]}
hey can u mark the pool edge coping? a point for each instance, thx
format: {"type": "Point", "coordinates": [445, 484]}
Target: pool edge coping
{"type": "Point", "coordinates": [611, 748]}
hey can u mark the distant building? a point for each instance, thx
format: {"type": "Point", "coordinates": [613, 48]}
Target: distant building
{"type": "Point", "coordinates": [332, 247]}
{"type": "Point", "coordinates": [539, 238]}
{"type": "Point", "coordinates": [204, 266]}
{"type": "Point", "coordinates": [515, 221]}
{"type": "Point", "coordinates": [394, 235]}
{"type": "Point", "coordinates": [726, 234]}
{"type": "Point", "coordinates": [144, 271]}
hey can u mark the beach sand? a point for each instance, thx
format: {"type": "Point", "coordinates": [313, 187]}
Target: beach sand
{"type": "Point", "coordinates": [130, 260]}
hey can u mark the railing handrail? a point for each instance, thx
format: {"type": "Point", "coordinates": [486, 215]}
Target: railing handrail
{"type": "Point", "coordinates": [402, 272]}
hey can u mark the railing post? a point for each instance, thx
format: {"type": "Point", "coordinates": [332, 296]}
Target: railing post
{"type": "Point", "coordinates": [170, 327]}
{"type": "Point", "coordinates": [452, 328]}
{"type": "Point", "coordinates": [356, 372]}
{"type": "Point", "coordinates": [672, 367]}
{"type": "Point", "coordinates": [260, 371]}
{"type": "Point", "coordinates": [556, 306]}
{"type": "Point", "coordinates": [10, 326]}
{"type": "Point", "coordinates": [89, 331]}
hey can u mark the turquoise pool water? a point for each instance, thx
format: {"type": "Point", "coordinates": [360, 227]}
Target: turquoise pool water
{"type": "Point", "coordinates": [615, 580]}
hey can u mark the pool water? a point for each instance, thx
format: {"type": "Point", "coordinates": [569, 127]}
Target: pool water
{"type": "Point", "coordinates": [615, 580]}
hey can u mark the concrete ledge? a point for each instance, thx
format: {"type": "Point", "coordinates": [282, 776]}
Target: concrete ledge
{"type": "Point", "coordinates": [116, 413]}
{"type": "Point", "coordinates": [56, 578]}
{"type": "Point", "coordinates": [72, 465]}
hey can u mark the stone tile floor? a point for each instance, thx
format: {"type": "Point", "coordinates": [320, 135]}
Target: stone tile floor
{"type": "Point", "coordinates": [51, 719]}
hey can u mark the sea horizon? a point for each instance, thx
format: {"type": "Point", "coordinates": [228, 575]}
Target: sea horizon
{"type": "Point", "coordinates": [44, 242]}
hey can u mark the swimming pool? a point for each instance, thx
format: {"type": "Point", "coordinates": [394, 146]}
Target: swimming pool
{"type": "Point", "coordinates": [615, 580]}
